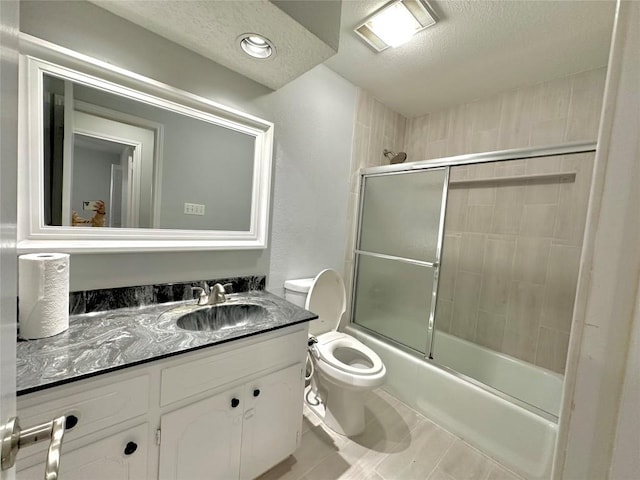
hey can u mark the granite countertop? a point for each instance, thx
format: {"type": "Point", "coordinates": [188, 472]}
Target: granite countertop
{"type": "Point", "coordinates": [102, 342]}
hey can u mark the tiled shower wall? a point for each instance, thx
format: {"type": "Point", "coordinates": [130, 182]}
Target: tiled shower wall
{"type": "Point", "coordinates": [513, 249]}
{"type": "Point", "coordinates": [562, 110]}
{"type": "Point", "coordinates": [511, 255]}
{"type": "Point", "coordinates": [558, 111]}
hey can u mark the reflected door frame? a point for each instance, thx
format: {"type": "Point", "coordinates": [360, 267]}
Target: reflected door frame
{"type": "Point", "coordinates": [140, 207]}
{"type": "Point", "coordinates": [103, 129]}
{"type": "Point", "coordinates": [151, 165]}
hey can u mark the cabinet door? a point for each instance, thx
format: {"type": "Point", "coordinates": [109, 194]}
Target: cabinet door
{"type": "Point", "coordinates": [272, 420]}
{"type": "Point", "coordinates": [202, 440]}
{"type": "Point", "coordinates": [122, 456]}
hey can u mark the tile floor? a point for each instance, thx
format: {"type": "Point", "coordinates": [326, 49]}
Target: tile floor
{"type": "Point", "coordinates": [398, 444]}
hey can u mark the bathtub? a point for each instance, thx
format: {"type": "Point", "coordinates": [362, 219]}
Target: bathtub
{"type": "Point", "coordinates": [519, 439]}
{"type": "Point", "coordinates": [534, 385]}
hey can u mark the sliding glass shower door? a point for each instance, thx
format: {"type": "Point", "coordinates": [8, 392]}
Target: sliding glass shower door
{"type": "Point", "coordinates": [398, 254]}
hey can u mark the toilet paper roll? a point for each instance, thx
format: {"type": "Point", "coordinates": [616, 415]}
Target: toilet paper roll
{"type": "Point", "coordinates": [43, 294]}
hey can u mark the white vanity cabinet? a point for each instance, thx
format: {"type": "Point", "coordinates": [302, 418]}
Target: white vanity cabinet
{"type": "Point", "coordinates": [272, 420]}
{"type": "Point", "coordinates": [224, 412]}
{"type": "Point", "coordinates": [239, 433]}
{"type": "Point", "coordinates": [122, 456]}
{"type": "Point", "coordinates": [91, 443]}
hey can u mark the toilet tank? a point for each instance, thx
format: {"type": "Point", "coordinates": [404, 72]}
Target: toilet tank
{"type": "Point", "coordinates": [295, 291]}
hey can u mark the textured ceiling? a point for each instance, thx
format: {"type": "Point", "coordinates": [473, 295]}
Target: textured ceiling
{"type": "Point", "coordinates": [477, 49]}
{"type": "Point", "coordinates": [211, 28]}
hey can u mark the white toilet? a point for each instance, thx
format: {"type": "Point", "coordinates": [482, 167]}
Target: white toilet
{"type": "Point", "coordinates": [344, 368]}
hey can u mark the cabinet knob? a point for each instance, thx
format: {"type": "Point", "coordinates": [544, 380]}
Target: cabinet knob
{"type": "Point", "coordinates": [234, 402]}
{"type": "Point", "coordinates": [130, 448]}
{"type": "Point", "coordinates": [70, 422]}
{"type": "Point", "coordinates": [256, 392]}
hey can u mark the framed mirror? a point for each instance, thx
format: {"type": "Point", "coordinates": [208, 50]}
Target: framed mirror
{"type": "Point", "coordinates": [111, 160]}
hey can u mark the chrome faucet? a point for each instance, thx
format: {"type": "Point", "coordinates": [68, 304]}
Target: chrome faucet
{"type": "Point", "coordinates": [212, 295]}
{"type": "Point", "coordinates": [217, 294]}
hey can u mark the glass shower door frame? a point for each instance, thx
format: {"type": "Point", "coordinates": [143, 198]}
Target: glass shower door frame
{"type": "Point", "coordinates": [429, 334]}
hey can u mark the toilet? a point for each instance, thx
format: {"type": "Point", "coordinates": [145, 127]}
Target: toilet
{"type": "Point", "coordinates": [343, 369]}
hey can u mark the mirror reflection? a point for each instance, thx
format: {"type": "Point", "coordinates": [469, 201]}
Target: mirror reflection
{"type": "Point", "coordinates": [114, 162]}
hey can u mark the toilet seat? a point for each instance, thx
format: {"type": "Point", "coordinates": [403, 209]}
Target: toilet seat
{"type": "Point", "coordinates": [339, 373]}
{"type": "Point", "coordinates": [340, 358]}
{"type": "Point", "coordinates": [327, 348]}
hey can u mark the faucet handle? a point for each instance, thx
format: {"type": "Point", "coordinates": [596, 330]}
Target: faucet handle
{"type": "Point", "coordinates": [205, 288]}
{"type": "Point", "coordinates": [203, 297]}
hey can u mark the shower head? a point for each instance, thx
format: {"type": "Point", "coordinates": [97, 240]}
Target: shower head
{"type": "Point", "coordinates": [394, 157]}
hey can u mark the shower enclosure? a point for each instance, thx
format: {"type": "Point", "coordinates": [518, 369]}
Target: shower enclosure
{"type": "Point", "coordinates": [470, 264]}
{"type": "Point", "coordinates": [398, 254]}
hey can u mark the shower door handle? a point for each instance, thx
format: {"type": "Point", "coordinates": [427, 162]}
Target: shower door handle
{"type": "Point", "coordinates": [14, 438]}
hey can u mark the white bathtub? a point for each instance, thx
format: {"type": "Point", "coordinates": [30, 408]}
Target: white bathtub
{"type": "Point", "coordinates": [534, 385]}
{"type": "Point", "coordinates": [519, 439]}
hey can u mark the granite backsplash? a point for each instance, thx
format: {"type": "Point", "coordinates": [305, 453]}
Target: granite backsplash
{"type": "Point", "coordinates": [89, 301]}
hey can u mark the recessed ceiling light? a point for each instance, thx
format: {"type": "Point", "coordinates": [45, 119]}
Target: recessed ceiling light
{"type": "Point", "coordinates": [256, 45]}
{"type": "Point", "coordinates": [395, 24]}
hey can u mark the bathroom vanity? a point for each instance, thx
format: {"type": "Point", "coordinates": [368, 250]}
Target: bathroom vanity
{"type": "Point", "coordinates": [146, 396]}
{"type": "Point", "coordinates": [146, 399]}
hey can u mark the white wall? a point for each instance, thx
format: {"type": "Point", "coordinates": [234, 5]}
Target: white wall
{"type": "Point", "coordinates": [607, 295]}
{"type": "Point", "coordinates": [313, 119]}
{"type": "Point", "coordinates": [315, 115]}
{"type": "Point", "coordinates": [91, 178]}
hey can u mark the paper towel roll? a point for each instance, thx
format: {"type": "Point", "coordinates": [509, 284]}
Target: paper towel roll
{"type": "Point", "coordinates": [43, 294]}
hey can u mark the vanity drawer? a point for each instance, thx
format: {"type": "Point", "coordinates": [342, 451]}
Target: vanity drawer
{"type": "Point", "coordinates": [118, 456]}
{"type": "Point", "coordinates": [188, 379]}
{"type": "Point", "coordinates": [96, 406]}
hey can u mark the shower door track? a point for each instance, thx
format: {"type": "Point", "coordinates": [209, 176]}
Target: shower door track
{"type": "Point", "coordinates": [485, 157]}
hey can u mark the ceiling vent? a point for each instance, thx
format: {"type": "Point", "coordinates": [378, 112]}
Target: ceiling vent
{"type": "Point", "coordinates": [395, 24]}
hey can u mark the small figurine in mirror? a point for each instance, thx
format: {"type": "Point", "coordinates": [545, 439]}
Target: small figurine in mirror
{"type": "Point", "coordinates": [98, 219]}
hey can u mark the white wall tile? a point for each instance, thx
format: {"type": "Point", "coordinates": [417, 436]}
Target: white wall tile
{"type": "Point", "coordinates": [444, 314]}
{"type": "Point", "coordinates": [498, 255]}
{"type": "Point", "coordinates": [516, 119]}
{"type": "Point", "coordinates": [434, 150]}
{"type": "Point", "coordinates": [482, 194]}
{"type": "Point", "coordinates": [548, 132]}
{"type": "Point", "coordinates": [494, 294]}
{"type": "Point", "coordinates": [438, 126]}
{"type": "Point", "coordinates": [538, 220]}
{"type": "Point", "coordinates": [542, 191]}
{"type": "Point", "coordinates": [479, 218]}
{"type": "Point", "coordinates": [552, 99]}
{"type": "Point", "coordinates": [531, 259]}
{"type": "Point", "coordinates": [543, 165]}
{"type": "Point", "coordinates": [449, 265]}
{"type": "Point", "coordinates": [456, 216]}
{"type": "Point", "coordinates": [490, 330]}
{"type": "Point", "coordinates": [471, 252]}
{"type": "Point", "coordinates": [552, 348]}
{"type": "Point", "coordinates": [465, 309]}
{"type": "Point", "coordinates": [586, 104]}
{"type": "Point", "coordinates": [560, 287]}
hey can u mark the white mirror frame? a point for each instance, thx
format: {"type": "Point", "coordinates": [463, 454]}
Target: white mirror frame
{"type": "Point", "coordinates": [39, 57]}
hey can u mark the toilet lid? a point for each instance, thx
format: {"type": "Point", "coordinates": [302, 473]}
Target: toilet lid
{"type": "Point", "coordinates": [327, 299]}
